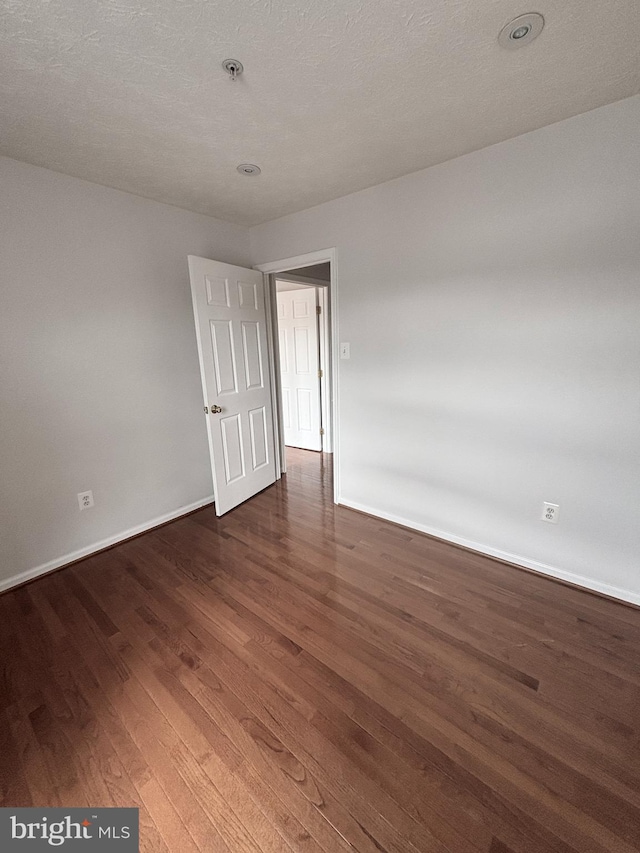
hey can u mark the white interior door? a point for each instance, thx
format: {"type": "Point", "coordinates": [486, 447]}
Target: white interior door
{"type": "Point", "coordinates": [229, 310]}
{"type": "Point", "coordinates": [299, 367]}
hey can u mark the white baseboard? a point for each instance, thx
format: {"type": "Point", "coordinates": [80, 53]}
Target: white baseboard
{"type": "Point", "coordinates": [29, 574]}
{"type": "Point", "coordinates": [516, 559]}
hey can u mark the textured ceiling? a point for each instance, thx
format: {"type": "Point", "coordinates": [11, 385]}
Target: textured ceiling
{"type": "Point", "coordinates": [318, 271]}
{"type": "Point", "coordinates": [337, 95]}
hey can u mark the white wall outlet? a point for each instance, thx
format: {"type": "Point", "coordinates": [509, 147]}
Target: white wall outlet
{"type": "Point", "coordinates": [85, 500]}
{"type": "Point", "coordinates": [550, 513]}
{"type": "Point", "coordinates": [345, 350]}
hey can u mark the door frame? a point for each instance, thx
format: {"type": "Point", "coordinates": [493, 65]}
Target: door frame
{"type": "Point", "coordinates": [270, 270]}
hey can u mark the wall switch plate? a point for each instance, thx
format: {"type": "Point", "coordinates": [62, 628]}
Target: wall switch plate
{"type": "Point", "coordinates": [345, 350]}
{"type": "Point", "coordinates": [550, 513]}
{"type": "Point", "coordinates": [85, 500]}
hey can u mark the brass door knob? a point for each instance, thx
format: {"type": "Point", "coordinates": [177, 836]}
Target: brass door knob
{"type": "Point", "coordinates": [215, 410]}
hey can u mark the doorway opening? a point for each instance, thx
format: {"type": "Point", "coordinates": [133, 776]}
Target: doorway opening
{"type": "Point", "coordinates": [235, 313]}
{"type": "Point", "coordinates": [303, 367]}
{"type": "Point", "coordinates": [303, 343]}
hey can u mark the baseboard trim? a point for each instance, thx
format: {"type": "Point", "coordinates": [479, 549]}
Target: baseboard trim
{"type": "Point", "coordinates": [102, 545]}
{"type": "Point", "coordinates": [579, 581]}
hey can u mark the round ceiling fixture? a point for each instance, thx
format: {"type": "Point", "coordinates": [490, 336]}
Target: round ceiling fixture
{"type": "Point", "coordinates": [248, 169]}
{"type": "Point", "coordinates": [521, 30]}
{"type": "Point", "coordinates": [234, 68]}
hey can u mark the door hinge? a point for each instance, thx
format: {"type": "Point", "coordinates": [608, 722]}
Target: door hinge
{"type": "Point", "coordinates": [321, 430]}
{"type": "Point", "coordinates": [320, 374]}
{"type": "Point", "coordinates": [318, 309]}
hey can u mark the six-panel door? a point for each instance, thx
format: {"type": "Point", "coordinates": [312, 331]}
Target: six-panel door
{"type": "Point", "coordinates": [229, 309]}
{"type": "Point", "coordinates": [299, 364]}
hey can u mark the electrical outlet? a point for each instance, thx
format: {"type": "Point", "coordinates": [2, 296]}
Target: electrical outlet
{"type": "Point", "coordinates": [345, 350]}
{"type": "Point", "coordinates": [85, 500]}
{"type": "Point", "coordinates": [550, 513]}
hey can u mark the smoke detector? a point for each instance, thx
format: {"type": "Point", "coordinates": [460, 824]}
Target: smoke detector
{"type": "Point", "coordinates": [248, 169]}
{"type": "Point", "coordinates": [234, 68]}
{"type": "Point", "coordinates": [521, 31]}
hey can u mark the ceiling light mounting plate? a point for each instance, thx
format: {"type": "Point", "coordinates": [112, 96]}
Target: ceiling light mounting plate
{"type": "Point", "coordinates": [248, 169]}
{"type": "Point", "coordinates": [234, 68]}
{"type": "Point", "coordinates": [522, 30]}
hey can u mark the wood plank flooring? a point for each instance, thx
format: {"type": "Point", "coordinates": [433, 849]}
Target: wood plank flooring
{"type": "Point", "coordinates": [299, 677]}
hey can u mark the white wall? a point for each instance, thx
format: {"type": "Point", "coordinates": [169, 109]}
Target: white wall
{"type": "Point", "coordinates": [493, 309]}
{"type": "Point", "coordinates": [99, 377]}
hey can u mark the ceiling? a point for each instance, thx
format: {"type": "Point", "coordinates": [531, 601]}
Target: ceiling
{"type": "Point", "coordinates": [319, 271]}
{"type": "Point", "coordinates": [336, 95]}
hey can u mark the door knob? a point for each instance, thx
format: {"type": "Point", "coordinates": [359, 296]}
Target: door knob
{"type": "Point", "coordinates": [215, 410]}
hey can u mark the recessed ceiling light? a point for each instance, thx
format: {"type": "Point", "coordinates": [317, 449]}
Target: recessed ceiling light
{"type": "Point", "coordinates": [248, 169]}
{"type": "Point", "coordinates": [522, 30]}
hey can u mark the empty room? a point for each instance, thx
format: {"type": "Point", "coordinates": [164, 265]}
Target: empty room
{"type": "Point", "coordinates": [320, 426]}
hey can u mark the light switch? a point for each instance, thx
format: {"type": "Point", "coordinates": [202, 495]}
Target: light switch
{"type": "Point", "coordinates": [345, 350]}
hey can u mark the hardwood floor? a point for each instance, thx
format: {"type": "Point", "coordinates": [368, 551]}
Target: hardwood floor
{"type": "Point", "coordinates": [299, 677]}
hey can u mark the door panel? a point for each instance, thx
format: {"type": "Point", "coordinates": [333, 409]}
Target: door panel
{"type": "Point", "coordinates": [258, 425]}
{"type": "Point", "coordinates": [299, 363]}
{"type": "Point", "coordinates": [229, 310]}
{"type": "Point", "coordinates": [301, 348]}
{"type": "Point", "coordinates": [252, 355]}
{"type": "Point", "coordinates": [301, 308]}
{"type": "Point", "coordinates": [286, 408]}
{"type": "Point", "coordinates": [247, 295]}
{"type": "Point", "coordinates": [232, 446]}
{"type": "Point", "coordinates": [217, 291]}
{"type": "Point", "coordinates": [304, 408]}
{"type": "Point", "coordinates": [223, 357]}
{"type": "Point", "coordinates": [284, 352]}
